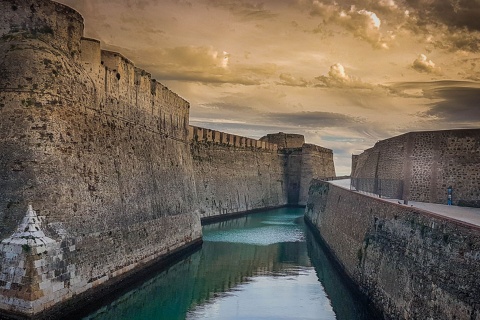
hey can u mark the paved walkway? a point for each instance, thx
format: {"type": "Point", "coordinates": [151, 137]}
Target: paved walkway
{"type": "Point", "coordinates": [465, 214]}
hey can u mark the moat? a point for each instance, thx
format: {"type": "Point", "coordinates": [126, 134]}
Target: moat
{"type": "Point", "coordinates": [262, 266]}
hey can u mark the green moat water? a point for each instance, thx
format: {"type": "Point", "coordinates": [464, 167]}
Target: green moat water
{"type": "Point", "coordinates": [263, 266]}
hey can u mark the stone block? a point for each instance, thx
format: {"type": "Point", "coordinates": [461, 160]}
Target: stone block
{"type": "Point", "coordinates": [217, 137]}
{"type": "Point", "coordinates": [208, 135]}
{"type": "Point", "coordinates": [224, 138]}
{"type": "Point", "coordinates": [231, 139]}
{"type": "Point", "coordinates": [236, 141]}
{"type": "Point", "coordinates": [191, 133]}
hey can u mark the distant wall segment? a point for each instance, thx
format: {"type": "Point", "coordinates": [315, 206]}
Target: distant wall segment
{"type": "Point", "coordinates": [288, 170]}
{"type": "Point", "coordinates": [285, 140]}
{"type": "Point", "coordinates": [231, 179]}
{"type": "Point", "coordinates": [304, 162]}
{"type": "Point", "coordinates": [317, 163]}
{"type": "Point", "coordinates": [427, 163]}
{"type": "Point", "coordinates": [199, 134]}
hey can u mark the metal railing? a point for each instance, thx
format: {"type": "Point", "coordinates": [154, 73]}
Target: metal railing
{"type": "Point", "coordinates": [383, 188]}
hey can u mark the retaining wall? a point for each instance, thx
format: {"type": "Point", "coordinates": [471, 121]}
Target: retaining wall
{"type": "Point", "coordinates": [410, 263]}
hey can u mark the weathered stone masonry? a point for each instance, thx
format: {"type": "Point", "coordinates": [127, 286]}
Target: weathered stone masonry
{"type": "Point", "coordinates": [238, 174]}
{"type": "Point", "coordinates": [105, 156]}
{"type": "Point", "coordinates": [304, 162]}
{"type": "Point", "coordinates": [410, 263]}
{"type": "Point", "coordinates": [96, 146]}
{"type": "Point", "coordinates": [427, 163]}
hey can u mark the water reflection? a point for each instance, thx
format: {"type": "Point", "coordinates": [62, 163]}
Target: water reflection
{"type": "Point", "coordinates": [262, 266]}
{"type": "Point", "coordinates": [345, 302]}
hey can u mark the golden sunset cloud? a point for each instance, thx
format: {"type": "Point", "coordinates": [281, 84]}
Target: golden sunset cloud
{"type": "Point", "coordinates": [343, 73]}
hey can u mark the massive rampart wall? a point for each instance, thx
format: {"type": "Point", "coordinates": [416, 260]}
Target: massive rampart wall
{"type": "Point", "coordinates": [428, 163]}
{"type": "Point", "coordinates": [106, 158]}
{"type": "Point", "coordinates": [411, 264]}
{"type": "Point", "coordinates": [97, 147]}
{"type": "Point", "coordinates": [236, 174]}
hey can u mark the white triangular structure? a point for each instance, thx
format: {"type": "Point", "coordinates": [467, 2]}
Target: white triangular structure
{"type": "Point", "coordinates": [29, 232]}
{"type": "Point", "coordinates": [28, 267]}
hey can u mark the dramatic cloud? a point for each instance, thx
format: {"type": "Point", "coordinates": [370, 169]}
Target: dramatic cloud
{"type": "Point", "coordinates": [315, 119]}
{"type": "Point", "coordinates": [423, 64]}
{"type": "Point", "coordinates": [458, 105]}
{"type": "Point", "coordinates": [454, 40]}
{"type": "Point", "coordinates": [452, 24]}
{"type": "Point", "coordinates": [345, 73]}
{"type": "Point", "coordinates": [205, 64]}
{"type": "Point", "coordinates": [451, 102]}
{"type": "Point", "coordinates": [325, 11]}
{"type": "Point", "coordinates": [289, 80]}
{"type": "Point", "coordinates": [456, 13]}
{"type": "Point", "coordinates": [363, 24]}
{"type": "Point", "coordinates": [388, 3]}
{"type": "Point", "coordinates": [337, 77]}
{"type": "Point", "coordinates": [194, 57]}
{"type": "Point", "coordinates": [244, 9]}
{"type": "Point", "coordinates": [337, 73]}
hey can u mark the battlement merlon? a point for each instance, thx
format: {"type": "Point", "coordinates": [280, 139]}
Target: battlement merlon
{"type": "Point", "coordinates": [117, 77]}
{"type": "Point", "coordinates": [90, 51]}
{"type": "Point", "coordinates": [199, 134]}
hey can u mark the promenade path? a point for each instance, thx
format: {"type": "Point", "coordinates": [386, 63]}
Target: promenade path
{"type": "Point", "coordinates": [465, 214]}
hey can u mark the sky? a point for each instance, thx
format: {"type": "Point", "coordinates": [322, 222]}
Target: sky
{"type": "Point", "coordinates": [345, 74]}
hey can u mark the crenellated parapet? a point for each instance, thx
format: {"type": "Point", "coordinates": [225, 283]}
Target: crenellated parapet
{"type": "Point", "coordinates": [199, 134]}
{"type": "Point", "coordinates": [131, 94]}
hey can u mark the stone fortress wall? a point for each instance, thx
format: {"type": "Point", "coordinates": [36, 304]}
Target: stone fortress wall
{"type": "Point", "coordinates": [116, 177]}
{"type": "Point", "coordinates": [237, 174]}
{"type": "Point", "coordinates": [97, 147]}
{"type": "Point", "coordinates": [232, 180]}
{"type": "Point", "coordinates": [285, 140]}
{"type": "Point", "coordinates": [317, 162]}
{"type": "Point", "coordinates": [427, 163]}
{"type": "Point", "coordinates": [411, 264]}
{"type": "Point", "coordinates": [304, 162]}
